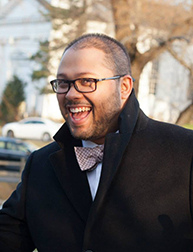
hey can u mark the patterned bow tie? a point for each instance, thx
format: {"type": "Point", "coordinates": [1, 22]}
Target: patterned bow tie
{"type": "Point", "coordinates": [88, 158]}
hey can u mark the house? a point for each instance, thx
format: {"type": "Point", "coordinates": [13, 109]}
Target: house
{"type": "Point", "coordinates": [165, 85]}
{"type": "Point", "coordinates": [22, 26]}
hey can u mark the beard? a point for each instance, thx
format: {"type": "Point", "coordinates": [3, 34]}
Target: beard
{"type": "Point", "coordinates": [105, 119]}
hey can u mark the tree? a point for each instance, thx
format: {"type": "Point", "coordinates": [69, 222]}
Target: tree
{"type": "Point", "coordinates": [42, 57]}
{"type": "Point", "coordinates": [149, 27]}
{"type": "Point", "coordinates": [67, 24]}
{"type": "Point", "coordinates": [70, 22]}
{"type": "Point", "coordinates": [12, 97]}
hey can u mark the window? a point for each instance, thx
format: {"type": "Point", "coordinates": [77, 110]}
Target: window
{"type": "Point", "coordinates": [22, 147]}
{"type": "Point", "coordinates": [190, 89]}
{"type": "Point", "coordinates": [2, 145]}
{"type": "Point", "coordinates": [34, 122]}
{"type": "Point", "coordinates": [11, 146]}
{"type": "Point", "coordinates": [153, 77]}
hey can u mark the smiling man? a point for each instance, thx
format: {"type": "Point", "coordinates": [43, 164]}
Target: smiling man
{"type": "Point", "coordinates": [92, 114]}
{"type": "Point", "coordinates": [113, 180]}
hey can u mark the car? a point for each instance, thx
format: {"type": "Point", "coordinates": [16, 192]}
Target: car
{"type": "Point", "coordinates": [12, 152]}
{"type": "Point", "coordinates": [31, 128]}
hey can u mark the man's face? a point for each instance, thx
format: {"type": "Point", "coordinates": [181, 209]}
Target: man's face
{"type": "Point", "coordinates": [90, 116]}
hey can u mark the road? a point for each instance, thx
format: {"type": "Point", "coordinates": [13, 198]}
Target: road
{"type": "Point", "coordinates": [9, 177]}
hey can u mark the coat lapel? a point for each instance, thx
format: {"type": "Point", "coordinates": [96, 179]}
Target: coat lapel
{"type": "Point", "coordinates": [115, 145]}
{"type": "Point", "coordinates": [72, 179]}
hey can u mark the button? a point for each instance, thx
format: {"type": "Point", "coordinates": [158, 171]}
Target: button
{"type": "Point", "coordinates": [89, 250]}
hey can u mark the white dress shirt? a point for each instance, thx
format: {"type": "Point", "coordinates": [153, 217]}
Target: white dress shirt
{"type": "Point", "coordinates": [93, 176]}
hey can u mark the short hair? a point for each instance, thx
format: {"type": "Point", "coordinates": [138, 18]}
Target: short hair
{"type": "Point", "coordinates": [117, 59]}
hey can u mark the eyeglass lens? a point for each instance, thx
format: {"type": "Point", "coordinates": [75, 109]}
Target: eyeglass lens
{"type": "Point", "coordinates": [82, 85]}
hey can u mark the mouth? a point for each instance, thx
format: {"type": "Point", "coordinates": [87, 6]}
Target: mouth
{"type": "Point", "coordinates": [79, 114]}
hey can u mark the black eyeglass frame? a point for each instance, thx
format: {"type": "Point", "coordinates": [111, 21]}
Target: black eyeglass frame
{"type": "Point", "coordinates": [73, 82]}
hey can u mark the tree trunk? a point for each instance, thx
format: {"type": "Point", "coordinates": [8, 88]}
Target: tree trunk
{"type": "Point", "coordinates": [186, 116]}
{"type": "Point", "coordinates": [127, 33]}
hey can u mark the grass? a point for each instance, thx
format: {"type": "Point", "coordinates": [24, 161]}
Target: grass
{"type": "Point", "coordinates": [188, 126]}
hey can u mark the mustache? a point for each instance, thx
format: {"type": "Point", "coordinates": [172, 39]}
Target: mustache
{"type": "Point", "coordinates": [68, 104]}
{"type": "Point", "coordinates": [79, 103]}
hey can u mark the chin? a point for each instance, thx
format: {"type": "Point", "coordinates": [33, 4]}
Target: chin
{"type": "Point", "coordinates": [80, 135]}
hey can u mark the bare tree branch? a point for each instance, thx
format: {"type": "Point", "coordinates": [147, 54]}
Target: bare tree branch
{"type": "Point", "coordinates": [179, 59]}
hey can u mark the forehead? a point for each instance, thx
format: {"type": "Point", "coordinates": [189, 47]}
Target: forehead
{"type": "Point", "coordinates": [87, 60]}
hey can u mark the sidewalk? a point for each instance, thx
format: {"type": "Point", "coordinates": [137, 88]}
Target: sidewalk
{"type": "Point", "coordinates": [8, 182]}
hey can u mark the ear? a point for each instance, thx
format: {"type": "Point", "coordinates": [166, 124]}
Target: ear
{"type": "Point", "coordinates": [126, 87]}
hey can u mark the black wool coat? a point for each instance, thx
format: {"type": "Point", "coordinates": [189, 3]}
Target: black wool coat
{"type": "Point", "coordinates": [143, 203]}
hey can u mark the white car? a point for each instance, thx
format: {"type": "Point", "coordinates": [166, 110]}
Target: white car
{"type": "Point", "coordinates": [31, 128]}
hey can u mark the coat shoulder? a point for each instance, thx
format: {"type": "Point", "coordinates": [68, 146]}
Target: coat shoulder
{"type": "Point", "coordinates": [52, 147]}
{"type": "Point", "coordinates": [46, 151]}
{"type": "Point", "coordinates": [170, 134]}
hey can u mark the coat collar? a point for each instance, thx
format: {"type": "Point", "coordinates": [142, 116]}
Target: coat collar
{"type": "Point", "coordinates": [73, 181]}
{"type": "Point", "coordinates": [115, 145]}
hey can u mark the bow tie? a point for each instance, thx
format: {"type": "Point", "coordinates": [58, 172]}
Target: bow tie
{"type": "Point", "coordinates": [88, 158]}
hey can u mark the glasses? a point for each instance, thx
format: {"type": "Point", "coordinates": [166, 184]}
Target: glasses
{"type": "Point", "coordinates": [82, 85]}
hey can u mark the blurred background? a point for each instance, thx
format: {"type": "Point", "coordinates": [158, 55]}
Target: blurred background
{"type": "Point", "coordinates": [158, 35]}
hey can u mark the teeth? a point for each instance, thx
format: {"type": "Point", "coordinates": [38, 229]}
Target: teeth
{"type": "Point", "coordinates": [77, 110]}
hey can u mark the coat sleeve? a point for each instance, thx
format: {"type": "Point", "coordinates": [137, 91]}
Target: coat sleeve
{"type": "Point", "coordinates": [14, 233]}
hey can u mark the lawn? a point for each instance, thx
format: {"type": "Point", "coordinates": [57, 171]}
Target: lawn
{"type": "Point", "coordinates": [188, 126]}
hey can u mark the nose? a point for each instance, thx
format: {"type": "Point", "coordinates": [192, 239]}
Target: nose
{"type": "Point", "coordinates": [73, 93]}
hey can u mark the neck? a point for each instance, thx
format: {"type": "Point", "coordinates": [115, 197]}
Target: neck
{"type": "Point", "coordinates": [99, 141]}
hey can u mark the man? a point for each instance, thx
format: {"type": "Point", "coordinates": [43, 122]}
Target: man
{"type": "Point", "coordinates": [137, 197]}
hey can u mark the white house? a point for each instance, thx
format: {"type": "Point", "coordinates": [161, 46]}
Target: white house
{"type": "Point", "coordinates": [165, 88]}
{"type": "Point", "coordinates": [22, 27]}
